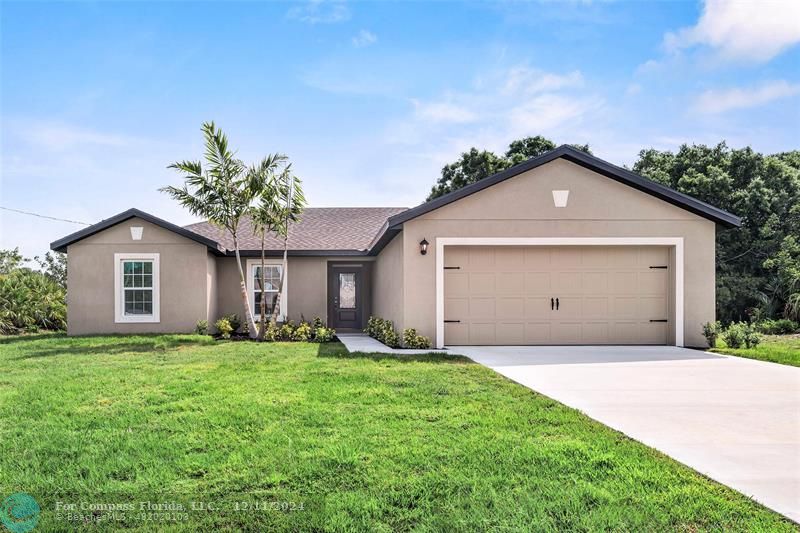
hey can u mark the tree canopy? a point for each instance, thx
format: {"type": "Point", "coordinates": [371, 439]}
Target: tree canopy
{"type": "Point", "coordinates": [475, 164]}
{"type": "Point", "coordinates": [758, 265]}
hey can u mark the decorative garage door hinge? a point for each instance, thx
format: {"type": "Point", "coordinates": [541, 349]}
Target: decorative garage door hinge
{"type": "Point", "coordinates": [452, 321]}
{"type": "Point", "coordinates": [452, 268]}
{"type": "Point", "coordinates": [660, 266]}
{"type": "Point", "coordinates": [659, 320]}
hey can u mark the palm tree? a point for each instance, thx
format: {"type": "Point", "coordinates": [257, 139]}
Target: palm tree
{"type": "Point", "coordinates": [221, 192]}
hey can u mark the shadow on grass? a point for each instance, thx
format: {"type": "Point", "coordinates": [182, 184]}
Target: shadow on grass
{"type": "Point", "coordinates": [338, 350]}
{"type": "Point", "coordinates": [24, 337]}
{"type": "Point", "coordinates": [109, 346]}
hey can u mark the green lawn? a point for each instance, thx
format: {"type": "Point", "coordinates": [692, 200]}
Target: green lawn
{"type": "Point", "coordinates": [351, 442]}
{"type": "Point", "coordinates": [783, 349]}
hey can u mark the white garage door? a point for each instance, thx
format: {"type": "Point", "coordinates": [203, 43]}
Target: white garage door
{"type": "Point", "coordinates": [556, 295]}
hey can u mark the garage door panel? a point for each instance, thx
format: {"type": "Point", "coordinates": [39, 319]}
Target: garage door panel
{"type": "Point", "coordinates": [594, 282]}
{"type": "Point", "coordinates": [596, 307]}
{"type": "Point", "coordinates": [510, 308]}
{"type": "Point", "coordinates": [510, 282]}
{"type": "Point", "coordinates": [569, 307]}
{"type": "Point", "coordinates": [537, 283]}
{"type": "Point", "coordinates": [511, 332]}
{"type": "Point", "coordinates": [457, 334]}
{"type": "Point", "coordinates": [481, 308]}
{"type": "Point", "coordinates": [456, 283]}
{"type": "Point", "coordinates": [538, 307]}
{"type": "Point", "coordinates": [654, 282]}
{"type": "Point", "coordinates": [482, 333]}
{"type": "Point", "coordinates": [482, 283]}
{"type": "Point", "coordinates": [607, 295]}
{"type": "Point", "coordinates": [537, 333]}
{"type": "Point", "coordinates": [567, 283]}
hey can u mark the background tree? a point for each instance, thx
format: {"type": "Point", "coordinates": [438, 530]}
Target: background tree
{"type": "Point", "coordinates": [757, 264]}
{"type": "Point", "coordinates": [221, 193]}
{"type": "Point", "coordinates": [54, 266]}
{"type": "Point", "coordinates": [476, 165]}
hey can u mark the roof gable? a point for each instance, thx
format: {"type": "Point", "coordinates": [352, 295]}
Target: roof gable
{"type": "Point", "coordinates": [61, 244]}
{"type": "Point", "coordinates": [585, 160]}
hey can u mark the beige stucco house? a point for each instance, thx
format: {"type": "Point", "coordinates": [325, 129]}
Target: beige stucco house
{"type": "Point", "coordinates": [562, 249]}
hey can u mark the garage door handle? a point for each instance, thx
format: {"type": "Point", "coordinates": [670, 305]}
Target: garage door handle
{"type": "Point", "coordinates": [552, 304]}
{"type": "Point", "coordinates": [452, 321]}
{"type": "Point", "coordinates": [556, 304]}
{"type": "Point", "coordinates": [659, 320]}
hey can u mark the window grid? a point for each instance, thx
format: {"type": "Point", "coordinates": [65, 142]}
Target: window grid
{"type": "Point", "coordinates": [137, 283]}
{"type": "Point", "coordinates": [271, 281]}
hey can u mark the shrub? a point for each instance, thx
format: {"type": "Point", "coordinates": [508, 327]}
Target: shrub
{"type": "Point", "coordinates": [272, 332]}
{"type": "Point", "coordinates": [285, 332]}
{"type": "Point", "coordinates": [318, 323]}
{"type": "Point", "coordinates": [323, 334]}
{"type": "Point", "coordinates": [302, 333]}
{"type": "Point", "coordinates": [383, 330]}
{"type": "Point", "coordinates": [201, 328]}
{"type": "Point", "coordinates": [224, 327]}
{"type": "Point", "coordinates": [411, 339]}
{"type": "Point", "coordinates": [741, 334]}
{"type": "Point", "coordinates": [783, 326]}
{"type": "Point", "coordinates": [234, 320]}
{"type": "Point", "coordinates": [29, 300]}
{"type": "Point", "coordinates": [711, 332]}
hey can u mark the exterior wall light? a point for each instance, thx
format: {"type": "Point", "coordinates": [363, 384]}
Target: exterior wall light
{"type": "Point", "coordinates": [423, 247]}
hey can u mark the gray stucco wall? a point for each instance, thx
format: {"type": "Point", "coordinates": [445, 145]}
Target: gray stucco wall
{"type": "Point", "coordinates": [387, 283]}
{"type": "Point", "coordinates": [90, 280]}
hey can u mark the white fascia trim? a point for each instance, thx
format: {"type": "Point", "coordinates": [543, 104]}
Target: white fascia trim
{"type": "Point", "coordinates": [677, 242]}
{"type": "Point", "coordinates": [119, 303]}
{"type": "Point", "coordinates": [251, 286]}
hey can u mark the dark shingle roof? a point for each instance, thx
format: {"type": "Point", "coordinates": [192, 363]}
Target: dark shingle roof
{"type": "Point", "coordinates": [319, 228]}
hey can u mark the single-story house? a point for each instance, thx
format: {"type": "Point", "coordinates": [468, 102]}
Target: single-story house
{"type": "Point", "coordinates": [562, 249]}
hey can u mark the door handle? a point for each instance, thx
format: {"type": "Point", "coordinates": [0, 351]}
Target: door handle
{"type": "Point", "coordinates": [556, 304]}
{"type": "Point", "coordinates": [551, 304]}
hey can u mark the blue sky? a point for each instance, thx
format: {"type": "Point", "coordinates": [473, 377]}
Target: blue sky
{"type": "Point", "coordinates": [369, 100]}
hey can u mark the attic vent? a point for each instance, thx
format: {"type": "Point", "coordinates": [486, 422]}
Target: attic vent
{"type": "Point", "coordinates": [560, 198]}
{"type": "Point", "coordinates": [136, 233]}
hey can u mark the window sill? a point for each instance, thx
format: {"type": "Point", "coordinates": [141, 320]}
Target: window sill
{"type": "Point", "coordinates": [144, 319]}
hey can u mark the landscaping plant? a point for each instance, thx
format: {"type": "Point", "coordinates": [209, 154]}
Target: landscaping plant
{"type": "Point", "coordinates": [711, 332]}
{"type": "Point", "coordinates": [224, 327]}
{"type": "Point", "coordinates": [412, 339]}
{"type": "Point", "coordinates": [201, 328]}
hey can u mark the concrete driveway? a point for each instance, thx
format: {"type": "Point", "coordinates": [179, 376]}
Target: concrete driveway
{"type": "Point", "coordinates": [735, 420]}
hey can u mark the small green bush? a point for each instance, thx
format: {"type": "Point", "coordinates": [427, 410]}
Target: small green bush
{"type": "Point", "coordinates": [201, 328]}
{"type": "Point", "coordinates": [323, 334]}
{"type": "Point", "coordinates": [234, 320]}
{"type": "Point", "coordinates": [29, 301]}
{"type": "Point", "coordinates": [412, 339]}
{"type": "Point", "coordinates": [782, 326]}
{"type": "Point", "coordinates": [741, 334]}
{"type": "Point", "coordinates": [302, 332]}
{"type": "Point", "coordinates": [224, 327]}
{"type": "Point", "coordinates": [285, 332]}
{"type": "Point", "coordinates": [272, 333]}
{"type": "Point", "coordinates": [383, 330]}
{"type": "Point", "coordinates": [711, 333]}
{"type": "Point", "coordinates": [318, 323]}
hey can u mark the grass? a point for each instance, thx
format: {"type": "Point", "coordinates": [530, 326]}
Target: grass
{"type": "Point", "coordinates": [349, 441]}
{"type": "Point", "coordinates": [783, 349]}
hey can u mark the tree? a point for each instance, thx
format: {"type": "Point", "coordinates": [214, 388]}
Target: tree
{"type": "Point", "coordinates": [221, 192]}
{"type": "Point", "coordinates": [754, 262]}
{"type": "Point", "coordinates": [10, 260]}
{"type": "Point", "coordinates": [476, 165]}
{"type": "Point", "coordinates": [280, 201]}
{"type": "Point", "coordinates": [54, 266]}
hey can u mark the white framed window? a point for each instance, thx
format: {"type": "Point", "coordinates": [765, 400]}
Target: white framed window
{"type": "Point", "coordinates": [271, 280]}
{"type": "Point", "coordinates": [136, 288]}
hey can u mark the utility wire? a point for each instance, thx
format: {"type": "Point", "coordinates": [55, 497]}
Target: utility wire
{"type": "Point", "coordinates": [44, 216]}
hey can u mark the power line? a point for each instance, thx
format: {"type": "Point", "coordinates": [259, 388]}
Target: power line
{"type": "Point", "coordinates": [44, 216]}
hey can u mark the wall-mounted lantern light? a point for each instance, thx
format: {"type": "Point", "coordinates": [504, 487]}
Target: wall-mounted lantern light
{"type": "Point", "coordinates": [423, 247]}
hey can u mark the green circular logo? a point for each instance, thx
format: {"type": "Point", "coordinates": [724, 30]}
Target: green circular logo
{"type": "Point", "coordinates": [20, 512]}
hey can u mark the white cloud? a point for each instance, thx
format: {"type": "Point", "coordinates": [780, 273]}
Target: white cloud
{"type": "Point", "coordinates": [438, 112]}
{"type": "Point", "coordinates": [320, 12]}
{"type": "Point", "coordinates": [364, 38]}
{"type": "Point", "coordinates": [719, 101]}
{"type": "Point", "coordinates": [56, 136]}
{"type": "Point", "coordinates": [748, 30]}
{"type": "Point", "coordinates": [523, 79]}
{"type": "Point", "coordinates": [633, 89]}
